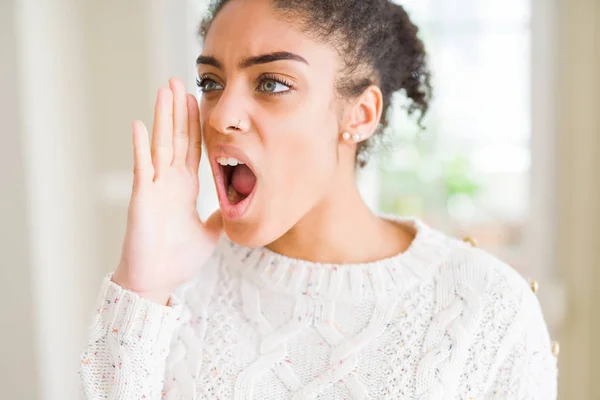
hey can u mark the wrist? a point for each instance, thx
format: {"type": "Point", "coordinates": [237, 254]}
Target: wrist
{"type": "Point", "coordinates": [161, 297]}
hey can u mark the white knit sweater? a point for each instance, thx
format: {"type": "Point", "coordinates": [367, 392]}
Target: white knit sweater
{"type": "Point", "coordinates": [442, 320]}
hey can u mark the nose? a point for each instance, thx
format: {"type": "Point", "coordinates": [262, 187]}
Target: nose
{"type": "Point", "coordinates": [229, 115]}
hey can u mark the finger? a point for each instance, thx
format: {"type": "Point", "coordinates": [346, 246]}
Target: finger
{"type": "Point", "coordinates": [162, 133]}
{"type": "Point", "coordinates": [180, 122]}
{"type": "Point", "coordinates": [143, 171]}
{"type": "Point", "coordinates": [195, 146]}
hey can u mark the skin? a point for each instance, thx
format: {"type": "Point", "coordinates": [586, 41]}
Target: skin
{"type": "Point", "coordinates": [307, 204]}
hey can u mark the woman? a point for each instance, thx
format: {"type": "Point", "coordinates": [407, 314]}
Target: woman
{"type": "Point", "coordinates": [303, 293]}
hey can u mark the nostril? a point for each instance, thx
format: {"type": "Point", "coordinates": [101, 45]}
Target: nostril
{"type": "Point", "coordinates": [234, 128]}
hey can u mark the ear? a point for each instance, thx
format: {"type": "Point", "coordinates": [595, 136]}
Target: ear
{"type": "Point", "coordinates": [364, 113]}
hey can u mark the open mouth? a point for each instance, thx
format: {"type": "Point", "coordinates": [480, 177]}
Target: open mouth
{"type": "Point", "coordinates": [239, 182]}
{"type": "Point", "coordinates": [236, 185]}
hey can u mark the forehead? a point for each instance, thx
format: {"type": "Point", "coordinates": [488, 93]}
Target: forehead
{"type": "Point", "coordinates": [246, 28]}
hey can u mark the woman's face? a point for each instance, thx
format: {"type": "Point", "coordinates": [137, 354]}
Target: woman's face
{"type": "Point", "coordinates": [268, 101]}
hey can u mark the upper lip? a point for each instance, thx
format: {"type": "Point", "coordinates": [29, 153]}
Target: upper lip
{"type": "Point", "coordinates": [231, 151]}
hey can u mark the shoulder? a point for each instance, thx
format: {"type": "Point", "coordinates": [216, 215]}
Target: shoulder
{"type": "Point", "coordinates": [468, 267]}
{"type": "Point", "coordinates": [482, 308]}
{"type": "Point", "coordinates": [501, 302]}
{"type": "Point", "coordinates": [459, 264]}
{"type": "Point", "coordinates": [492, 277]}
{"type": "Point", "coordinates": [492, 292]}
{"type": "Point", "coordinates": [463, 272]}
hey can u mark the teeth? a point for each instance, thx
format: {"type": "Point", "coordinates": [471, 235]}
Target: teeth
{"type": "Point", "coordinates": [223, 160]}
{"type": "Point", "coordinates": [233, 161]}
{"type": "Point", "coordinates": [228, 161]}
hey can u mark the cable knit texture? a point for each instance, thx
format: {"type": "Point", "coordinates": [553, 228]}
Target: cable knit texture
{"type": "Point", "coordinates": [442, 320]}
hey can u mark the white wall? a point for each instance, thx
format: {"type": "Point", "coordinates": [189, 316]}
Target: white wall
{"type": "Point", "coordinates": [53, 112]}
{"type": "Point", "coordinates": [18, 374]}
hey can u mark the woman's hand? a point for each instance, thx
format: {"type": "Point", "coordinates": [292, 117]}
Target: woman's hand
{"type": "Point", "coordinates": [165, 241]}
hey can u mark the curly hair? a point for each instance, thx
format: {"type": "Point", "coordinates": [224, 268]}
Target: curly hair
{"type": "Point", "coordinates": [377, 42]}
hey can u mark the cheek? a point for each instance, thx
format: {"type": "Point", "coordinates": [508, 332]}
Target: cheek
{"type": "Point", "coordinates": [204, 118]}
{"type": "Point", "coordinates": [302, 148]}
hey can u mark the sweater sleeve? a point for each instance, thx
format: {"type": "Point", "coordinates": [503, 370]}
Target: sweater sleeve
{"type": "Point", "coordinates": [127, 346]}
{"type": "Point", "coordinates": [528, 369]}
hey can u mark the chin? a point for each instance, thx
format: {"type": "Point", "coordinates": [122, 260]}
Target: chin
{"type": "Point", "coordinates": [251, 233]}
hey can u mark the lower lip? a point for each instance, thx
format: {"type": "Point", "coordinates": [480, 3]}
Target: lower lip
{"type": "Point", "coordinates": [228, 210]}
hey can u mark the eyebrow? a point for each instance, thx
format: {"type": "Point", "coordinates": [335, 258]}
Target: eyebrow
{"type": "Point", "coordinates": [250, 61]}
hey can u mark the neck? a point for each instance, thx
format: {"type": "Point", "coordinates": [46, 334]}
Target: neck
{"type": "Point", "coordinates": [342, 229]}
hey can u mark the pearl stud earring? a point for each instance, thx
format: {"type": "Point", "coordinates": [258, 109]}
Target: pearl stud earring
{"type": "Point", "coordinates": [355, 137]}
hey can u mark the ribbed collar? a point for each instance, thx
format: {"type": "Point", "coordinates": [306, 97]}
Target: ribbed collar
{"type": "Point", "coordinates": [283, 274]}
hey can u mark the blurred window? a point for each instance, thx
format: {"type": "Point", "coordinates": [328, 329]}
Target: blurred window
{"type": "Point", "coordinates": [468, 172]}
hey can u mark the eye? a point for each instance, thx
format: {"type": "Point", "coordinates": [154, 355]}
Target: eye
{"type": "Point", "coordinates": [271, 85]}
{"type": "Point", "coordinates": [207, 85]}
